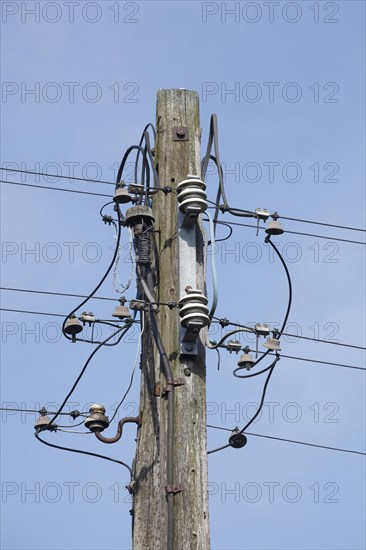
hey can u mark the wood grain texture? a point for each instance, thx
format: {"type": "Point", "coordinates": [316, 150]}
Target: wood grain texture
{"type": "Point", "coordinates": [175, 160]}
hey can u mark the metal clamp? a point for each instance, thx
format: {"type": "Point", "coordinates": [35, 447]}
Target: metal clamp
{"type": "Point", "coordinates": [180, 133]}
{"type": "Point", "coordinates": [160, 391]}
{"type": "Point", "coordinates": [177, 488]}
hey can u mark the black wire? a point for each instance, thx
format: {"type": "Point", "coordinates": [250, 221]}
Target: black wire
{"type": "Point", "coordinates": [54, 188]}
{"type": "Point", "coordinates": [213, 137]}
{"type": "Point", "coordinates": [72, 425]}
{"type": "Point", "coordinates": [298, 233]}
{"type": "Point", "coordinates": [105, 218]}
{"type": "Point", "coordinates": [231, 210]}
{"type": "Point", "coordinates": [290, 441]}
{"type": "Point", "coordinates": [322, 362]}
{"type": "Point", "coordinates": [126, 392]}
{"type": "Point", "coordinates": [225, 238]}
{"type": "Point", "coordinates": [227, 322]}
{"type": "Point", "coordinates": [322, 223]}
{"type": "Point", "coordinates": [253, 374]}
{"type": "Point", "coordinates": [82, 373]}
{"type": "Point", "coordinates": [126, 327]}
{"type": "Point", "coordinates": [124, 160]}
{"type": "Point", "coordinates": [32, 312]}
{"type": "Point", "coordinates": [268, 240]}
{"type": "Point", "coordinates": [79, 451]}
{"type": "Point", "coordinates": [314, 361]}
{"type": "Point", "coordinates": [55, 293]}
{"type": "Point", "coordinates": [141, 142]}
{"type": "Point", "coordinates": [271, 369]}
{"type": "Point", "coordinates": [38, 411]}
{"type": "Point", "coordinates": [231, 333]}
{"type": "Point", "coordinates": [239, 211]}
{"type": "Point", "coordinates": [323, 341]}
{"type": "Point", "coordinates": [102, 279]}
{"type": "Point", "coordinates": [152, 161]}
{"type": "Point", "coordinates": [218, 358]}
{"type": "Point", "coordinates": [324, 237]}
{"type": "Point", "coordinates": [125, 395]}
{"type": "Point", "coordinates": [56, 176]}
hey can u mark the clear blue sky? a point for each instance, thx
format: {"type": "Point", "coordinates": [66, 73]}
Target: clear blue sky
{"type": "Point", "coordinates": [287, 81]}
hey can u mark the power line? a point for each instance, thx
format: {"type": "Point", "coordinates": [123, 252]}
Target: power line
{"type": "Point", "coordinates": [296, 233]}
{"type": "Point", "coordinates": [32, 312]}
{"type": "Point", "coordinates": [133, 369]}
{"type": "Point", "coordinates": [54, 188]}
{"type": "Point", "coordinates": [45, 174]}
{"type": "Point", "coordinates": [74, 178]}
{"type": "Point", "coordinates": [55, 293]}
{"type": "Point", "coordinates": [293, 441]}
{"type": "Point", "coordinates": [324, 341]}
{"type": "Point", "coordinates": [270, 369]}
{"type": "Point", "coordinates": [226, 322]}
{"type": "Point", "coordinates": [308, 360]}
{"type": "Point", "coordinates": [238, 211]}
{"type": "Point", "coordinates": [43, 412]}
{"type": "Point", "coordinates": [322, 223]}
{"type": "Point", "coordinates": [82, 372]}
{"type": "Point", "coordinates": [79, 451]}
{"type": "Point", "coordinates": [317, 361]}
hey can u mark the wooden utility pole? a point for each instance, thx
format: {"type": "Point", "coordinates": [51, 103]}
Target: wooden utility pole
{"type": "Point", "coordinates": [177, 154]}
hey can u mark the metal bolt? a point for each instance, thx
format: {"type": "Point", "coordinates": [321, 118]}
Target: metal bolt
{"type": "Point", "coordinates": [187, 371]}
{"type": "Point", "coordinates": [180, 133]}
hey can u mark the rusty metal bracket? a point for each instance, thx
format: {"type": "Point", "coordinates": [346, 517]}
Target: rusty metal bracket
{"type": "Point", "coordinates": [180, 133]}
{"type": "Point", "coordinates": [177, 488]}
{"type": "Point", "coordinates": [160, 391]}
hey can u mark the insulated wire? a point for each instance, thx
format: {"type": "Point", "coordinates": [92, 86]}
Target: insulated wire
{"type": "Point", "coordinates": [102, 279]}
{"type": "Point", "coordinates": [133, 369]}
{"type": "Point", "coordinates": [278, 335]}
{"type": "Point", "coordinates": [55, 293]}
{"type": "Point", "coordinates": [291, 441]}
{"type": "Point", "coordinates": [79, 451]}
{"type": "Point", "coordinates": [82, 373]}
{"type": "Point", "coordinates": [325, 224]}
{"type": "Point", "coordinates": [303, 337]}
{"type": "Point", "coordinates": [279, 255]}
{"type": "Point", "coordinates": [239, 211]}
{"type": "Point", "coordinates": [54, 188]}
{"type": "Point", "coordinates": [271, 369]}
{"type": "Point", "coordinates": [37, 411]}
{"type": "Point", "coordinates": [297, 233]}
{"type": "Point", "coordinates": [263, 394]}
{"type": "Point", "coordinates": [73, 178]}
{"type": "Point", "coordinates": [213, 269]}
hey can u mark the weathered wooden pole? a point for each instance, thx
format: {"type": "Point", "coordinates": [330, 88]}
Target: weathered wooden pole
{"type": "Point", "coordinates": [177, 154]}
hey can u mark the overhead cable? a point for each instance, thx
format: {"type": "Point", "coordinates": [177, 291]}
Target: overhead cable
{"type": "Point", "coordinates": [292, 441]}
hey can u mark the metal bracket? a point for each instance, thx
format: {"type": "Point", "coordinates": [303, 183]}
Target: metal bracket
{"type": "Point", "coordinates": [188, 348]}
{"type": "Point", "coordinates": [159, 391]}
{"type": "Point", "coordinates": [233, 345]}
{"type": "Point", "coordinates": [190, 217]}
{"type": "Point", "coordinates": [139, 305]}
{"type": "Point", "coordinates": [188, 340]}
{"type": "Point", "coordinates": [180, 133]}
{"type": "Point", "coordinates": [177, 488]}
